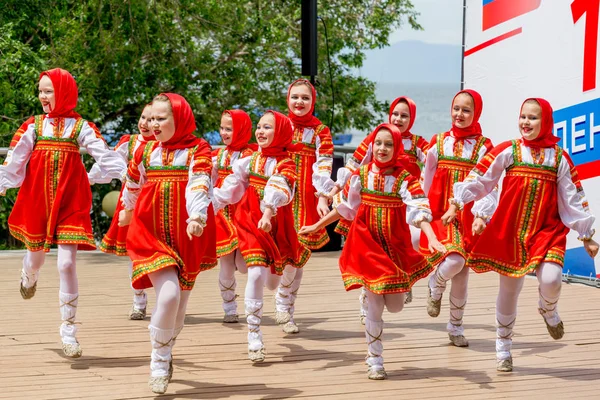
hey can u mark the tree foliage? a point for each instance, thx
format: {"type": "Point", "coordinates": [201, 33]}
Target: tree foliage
{"type": "Point", "coordinates": [218, 54]}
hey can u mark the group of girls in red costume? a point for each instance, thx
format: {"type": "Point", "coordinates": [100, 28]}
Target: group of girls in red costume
{"type": "Point", "coordinates": [261, 208]}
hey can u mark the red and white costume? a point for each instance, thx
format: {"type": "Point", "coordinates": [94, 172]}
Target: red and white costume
{"type": "Point", "coordinates": [541, 200]}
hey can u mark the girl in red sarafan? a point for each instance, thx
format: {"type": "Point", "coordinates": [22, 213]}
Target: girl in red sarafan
{"type": "Point", "coordinates": [236, 130]}
{"type": "Point", "coordinates": [403, 114]}
{"type": "Point", "coordinates": [450, 158]}
{"type": "Point", "coordinates": [114, 239]}
{"type": "Point", "coordinates": [312, 153]}
{"type": "Point", "coordinates": [382, 198]}
{"type": "Point", "coordinates": [167, 200]}
{"type": "Point", "coordinates": [44, 161]}
{"type": "Point", "coordinates": [262, 187]}
{"type": "Point", "coordinates": [542, 198]}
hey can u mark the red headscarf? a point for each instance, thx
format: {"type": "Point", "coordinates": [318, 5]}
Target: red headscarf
{"type": "Point", "coordinates": [412, 109]}
{"type": "Point", "coordinates": [398, 160]}
{"type": "Point", "coordinates": [546, 137]}
{"type": "Point", "coordinates": [185, 124]}
{"type": "Point", "coordinates": [474, 129]}
{"type": "Point", "coordinates": [308, 120]}
{"type": "Point", "coordinates": [65, 93]}
{"type": "Point", "coordinates": [242, 129]}
{"type": "Point", "coordinates": [282, 139]}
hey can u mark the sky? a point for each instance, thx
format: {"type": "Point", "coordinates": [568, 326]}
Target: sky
{"type": "Point", "coordinates": [440, 19]}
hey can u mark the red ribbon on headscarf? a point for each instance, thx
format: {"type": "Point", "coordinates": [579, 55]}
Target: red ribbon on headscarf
{"type": "Point", "coordinates": [282, 138]}
{"type": "Point", "coordinates": [399, 159]}
{"type": "Point", "coordinates": [412, 108]}
{"type": "Point", "coordinates": [65, 93]}
{"type": "Point", "coordinates": [474, 129]}
{"type": "Point", "coordinates": [546, 137]}
{"type": "Point", "coordinates": [308, 120]}
{"type": "Point", "coordinates": [185, 124]}
{"type": "Point", "coordinates": [242, 130]}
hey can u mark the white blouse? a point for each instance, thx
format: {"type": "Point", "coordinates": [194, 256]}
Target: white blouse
{"type": "Point", "coordinates": [14, 169]}
{"type": "Point", "coordinates": [417, 209]}
{"type": "Point", "coordinates": [98, 175]}
{"type": "Point", "coordinates": [573, 207]}
{"type": "Point", "coordinates": [198, 192]}
{"type": "Point", "coordinates": [277, 192]}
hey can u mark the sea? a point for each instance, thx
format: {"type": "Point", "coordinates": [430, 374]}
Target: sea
{"type": "Point", "coordinates": [433, 106]}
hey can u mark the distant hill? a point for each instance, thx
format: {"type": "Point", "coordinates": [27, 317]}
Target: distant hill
{"type": "Point", "coordinates": [413, 62]}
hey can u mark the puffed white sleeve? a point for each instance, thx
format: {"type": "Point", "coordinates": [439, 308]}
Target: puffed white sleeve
{"type": "Point", "coordinates": [573, 206]}
{"type": "Point", "coordinates": [98, 174]}
{"type": "Point", "coordinates": [214, 176]}
{"type": "Point", "coordinates": [110, 163]}
{"type": "Point", "coordinates": [279, 190]}
{"type": "Point", "coordinates": [361, 156]}
{"type": "Point", "coordinates": [14, 168]}
{"type": "Point", "coordinates": [348, 200]}
{"type": "Point", "coordinates": [198, 192]}
{"type": "Point", "coordinates": [234, 186]}
{"type": "Point", "coordinates": [136, 177]}
{"type": "Point", "coordinates": [321, 176]}
{"type": "Point", "coordinates": [428, 172]}
{"type": "Point", "coordinates": [417, 204]}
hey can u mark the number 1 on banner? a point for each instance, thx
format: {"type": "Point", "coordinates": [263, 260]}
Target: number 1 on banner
{"type": "Point", "coordinates": [591, 9]}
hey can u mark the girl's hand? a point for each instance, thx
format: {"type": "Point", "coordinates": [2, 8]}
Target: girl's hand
{"type": "Point", "coordinates": [308, 229]}
{"type": "Point", "coordinates": [591, 247]}
{"type": "Point", "coordinates": [265, 223]}
{"type": "Point", "coordinates": [450, 215]}
{"type": "Point", "coordinates": [125, 217]}
{"type": "Point", "coordinates": [436, 246]}
{"type": "Point", "coordinates": [323, 206]}
{"type": "Point", "coordinates": [194, 229]}
{"type": "Point", "coordinates": [478, 226]}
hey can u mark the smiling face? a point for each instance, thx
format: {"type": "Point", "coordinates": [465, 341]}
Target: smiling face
{"type": "Point", "coordinates": [530, 121]}
{"type": "Point", "coordinates": [46, 94]}
{"type": "Point", "coordinates": [226, 129]}
{"type": "Point", "coordinates": [300, 100]}
{"type": "Point", "coordinates": [265, 130]}
{"type": "Point", "coordinates": [162, 124]}
{"type": "Point", "coordinates": [401, 116]}
{"type": "Point", "coordinates": [463, 109]}
{"type": "Point", "coordinates": [143, 123]}
{"type": "Point", "coordinates": [383, 146]}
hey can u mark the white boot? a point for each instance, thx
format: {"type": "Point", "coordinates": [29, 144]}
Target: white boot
{"type": "Point", "coordinates": [364, 305]}
{"type": "Point", "coordinates": [140, 302]}
{"type": "Point", "coordinates": [68, 329]}
{"type": "Point", "coordinates": [456, 331]}
{"type": "Point", "coordinates": [229, 300]}
{"type": "Point", "coordinates": [254, 312]}
{"type": "Point", "coordinates": [161, 340]}
{"type": "Point", "coordinates": [504, 334]}
{"type": "Point", "coordinates": [374, 333]}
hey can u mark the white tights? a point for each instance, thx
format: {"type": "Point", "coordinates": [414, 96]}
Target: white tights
{"type": "Point", "coordinates": [258, 277]}
{"type": "Point", "coordinates": [452, 268]}
{"type": "Point", "coordinates": [66, 263]}
{"type": "Point", "coordinates": [171, 301]}
{"type": "Point", "coordinates": [393, 302]}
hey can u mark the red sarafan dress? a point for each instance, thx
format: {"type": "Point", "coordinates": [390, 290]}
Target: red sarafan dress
{"type": "Point", "coordinates": [415, 148]}
{"type": "Point", "coordinates": [258, 181]}
{"type": "Point", "coordinates": [166, 188]}
{"type": "Point", "coordinates": [378, 253]}
{"type": "Point", "coordinates": [312, 153]}
{"type": "Point", "coordinates": [449, 160]}
{"type": "Point", "coordinates": [114, 241]}
{"type": "Point", "coordinates": [54, 200]}
{"type": "Point", "coordinates": [542, 198]}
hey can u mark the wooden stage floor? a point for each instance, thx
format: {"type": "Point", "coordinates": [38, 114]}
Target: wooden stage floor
{"type": "Point", "coordinates": [325, 360]}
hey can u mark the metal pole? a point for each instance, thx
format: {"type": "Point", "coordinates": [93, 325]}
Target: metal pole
{"type": "Point", "coordinates": [462, 62]}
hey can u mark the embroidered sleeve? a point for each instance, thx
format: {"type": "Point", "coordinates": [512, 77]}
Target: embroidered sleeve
{"type": "Point", "coordinates": [110, 163]}
{"type": "Point", "coordinates": [279, 190]}
{"type": "Point", "coordinates": [214, 176]}
{"type": "Point", "coordinates": [136, 176]}
{"type": "Point", "coordinates": [422, 147]}
{"type": "Point", "coordinates": [417, 204]}
{"type": "Point", "coordinates": [361, 156]}
{"type": "Point", "coordinates": [573, 206]}
{"type": "Point", "coordinates": [479, 185]}
{"type": "Point", "coordinates": [14, 168]}
{"type": "Point", "coordinates": [321, 177]}
{"type": "Point", "coordinates": [234, 186]}
{"type": "Point", "coordinates": [348, 200]}
{"type": "Point", "coordinates": [199, 189]}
